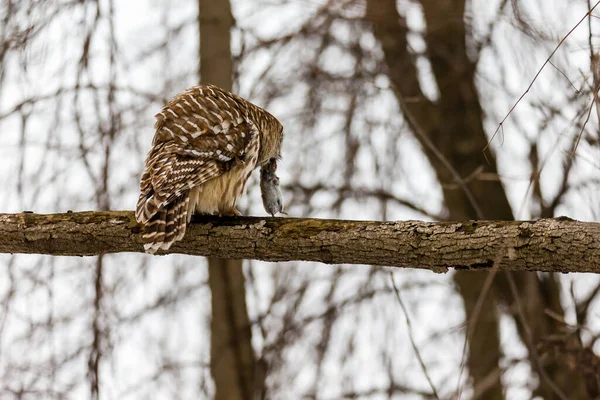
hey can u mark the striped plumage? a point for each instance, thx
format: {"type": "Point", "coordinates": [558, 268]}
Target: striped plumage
{"type": "Point", "coordinates": [206, 145]}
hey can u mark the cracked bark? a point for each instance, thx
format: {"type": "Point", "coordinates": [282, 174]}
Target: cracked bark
{"type": "Point", "coordinates": [550, 245]}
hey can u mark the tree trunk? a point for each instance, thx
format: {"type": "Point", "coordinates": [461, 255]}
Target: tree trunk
{"type": "Point", "coordinates": [454, 123]}
{"type": "Point", "coordinates": [232, 356]}
{"type": "Point", "coordinates": [215, 22]}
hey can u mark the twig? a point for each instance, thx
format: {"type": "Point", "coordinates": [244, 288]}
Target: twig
{"type": "Point", "coordinates": [412, 339]}
{"type": "Point", "coordinates": [500, 125]}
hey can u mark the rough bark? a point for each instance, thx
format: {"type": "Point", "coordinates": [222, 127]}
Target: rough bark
{"type": "Point", "coordinates": [232, 356]}
{"type": "Point", "coordinates": [551, 245]}
{"type": "Point", "coordinates": [454, 122]}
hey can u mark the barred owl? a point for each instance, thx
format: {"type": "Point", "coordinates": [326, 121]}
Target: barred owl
{"type": "Point", "coordinates": [207, 143]}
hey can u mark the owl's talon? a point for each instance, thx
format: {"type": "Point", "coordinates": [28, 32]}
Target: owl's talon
{"type": "Point", "coordinates": [230, 213]}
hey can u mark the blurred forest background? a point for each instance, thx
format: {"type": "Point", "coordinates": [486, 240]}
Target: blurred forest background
{"type": "Point", "coordinates": [387, 107]}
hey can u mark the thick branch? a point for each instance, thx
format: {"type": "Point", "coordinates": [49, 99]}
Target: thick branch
{"type": "Point", "coordinates": [558, 245]}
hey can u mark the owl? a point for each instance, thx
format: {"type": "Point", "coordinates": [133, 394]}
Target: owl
{"type": "Point", "coordinates": [207, 143]}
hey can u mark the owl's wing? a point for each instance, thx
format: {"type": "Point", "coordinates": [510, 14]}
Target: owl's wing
{"type": "Point", "coordinates": [185, 160]}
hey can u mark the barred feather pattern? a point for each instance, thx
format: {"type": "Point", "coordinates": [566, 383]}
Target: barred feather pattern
{"type": "Point", "coordinates": [207, 143]}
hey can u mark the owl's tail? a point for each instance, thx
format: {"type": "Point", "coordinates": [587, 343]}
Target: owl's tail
{"type": "Point", "coordinates": [167, 225]}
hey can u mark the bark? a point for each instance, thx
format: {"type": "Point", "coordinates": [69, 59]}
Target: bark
{"type": "Point", "coordinates": [454, 123]}
{"type": "Point", "coordinates": [232, 356]}
{"type": "Point", "coordinates": [550, 245]}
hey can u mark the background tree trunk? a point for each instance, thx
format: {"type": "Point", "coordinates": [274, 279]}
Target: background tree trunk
{"type": "Point", "coordinates": [232, 357]}
{"type": "Point", "coordinates": [453, 138]}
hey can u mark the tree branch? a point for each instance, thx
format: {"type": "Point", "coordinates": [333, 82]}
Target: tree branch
{"type": "Point", "coordinates": [551, 245]}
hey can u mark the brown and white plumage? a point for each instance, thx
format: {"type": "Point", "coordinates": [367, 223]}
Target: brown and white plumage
{"type": "Point", "coordinates": [207, 143]}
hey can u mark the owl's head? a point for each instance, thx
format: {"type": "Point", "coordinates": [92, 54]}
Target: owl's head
{"type": "Point", "coordinates": [271, 132]}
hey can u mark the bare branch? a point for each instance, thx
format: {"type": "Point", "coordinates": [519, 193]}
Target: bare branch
{"type": "Point", "coordinates": [551, 245]}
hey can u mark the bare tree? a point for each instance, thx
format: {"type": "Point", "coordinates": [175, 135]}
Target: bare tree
{"type": "Point", "coordinates": [392, 111]}
{"type": "Point", "coordinates": [435, 74]}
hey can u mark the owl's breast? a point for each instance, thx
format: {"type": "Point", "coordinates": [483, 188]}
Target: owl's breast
{"type": "Point", "coordinates": [220, 195]}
